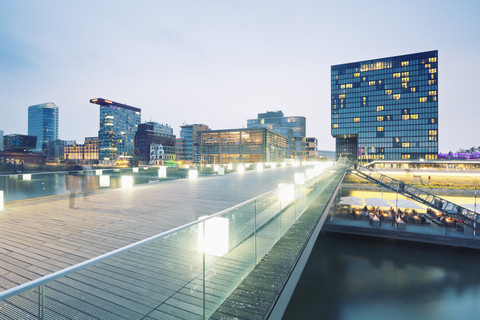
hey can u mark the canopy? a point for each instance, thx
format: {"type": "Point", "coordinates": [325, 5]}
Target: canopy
{"type": "Point", "coordinates": [405, 203]}
{"type": "Point", "coordinates": [377, 202]}
{"type": "Point", "coordinates": [351, 202]}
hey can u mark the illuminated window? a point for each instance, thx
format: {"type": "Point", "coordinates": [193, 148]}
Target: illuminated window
{"type": "Point", "coordinates": [379, 108]}
{"type": "Point", "coordinates": [342, 86]}
{"type": "Point", "coordinates": [341, 96]}
{"type": "Point", "coordinates": [423, 99]}
{"type": "Point", "coordinates": [432, 120]}
{"type": "Point", "coordinates": [356, 119]}
{"type": "Point", "coordinates": [349, 86]}
{"type": "Point", "coordinates": [432, 132]}
{"type": "Point", "coordinates": [428, 65]}
{"type": "Point", "coordinates": [405, 116]}
{"type": "Point", "coordinates": [414, 116]}
{"type": "Point", "coordinates": [397, 139]}
{"type": "Point", "coordinates": [405, 144]}
{"type": "Point", "coordinates": [405, 79]}
{"type": "Point", "coordinates": [356, 75]}
{"type": "Point", "coordinates": [364, 99]}
{"type": "Point", "coordinates": [396, 96]}
{"type": "Point", "coordinates": [404, 85]}
{"type": "Point", "coordinates": [432, 76]}
{"type": "Point", "coordinates": [434, 70]}
{"type": "Point", "coordinates": [371, 83]}
{"type": "Point", "coordinates": [412, 89]}
{"type": "Point", "coordinates": [335, 125]}
{"type": "Point", "coordinates": [388, 118]}
{"type": "Point", "coordinates": [388, 91]}
{"type": "Point", "coordinates": [380, 118]}
{"type": "Point", "coordinates": [405, 74]}
{"type": "Point", "coordinates": [430, 82]}
{"type": "Point", "coordinates": [405, 156]}
{"type": "Point", "coordinates": [396, 75]}
{"type": "Point", "coordinates": [432, 93]}
{"type": "Point", "coordinates": [379, 128]}
{"type": "Point", "coordinates": [405, 63]}
{"type": "Point", "coordinates": [434, 98]}
{"type": "Point", "coordinates": [434, 59]}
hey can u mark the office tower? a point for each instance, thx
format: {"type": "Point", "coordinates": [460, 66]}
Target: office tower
{"type": "Point", "coordinates": [118, 125]}
{"type": "Point", "coordinates": [386, 108]}
{"type": "Point", "coordinates": [241, 145]}
{"type": "Point", "coordinates": [187, 148]}
{"type": "Point", "coordinates": [43, 123]}
{"type": "Point", "coordinates": [155, 143]}
{"type": "Point", "coordinates": [294, 128]}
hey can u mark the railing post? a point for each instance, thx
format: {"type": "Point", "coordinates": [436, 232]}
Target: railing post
{"type": "Point", "coordinates": [41, 310]}
{"type": "Point", "coordinates": [255, 233]}
{"type": "Point", "coordinates": [204, 237]}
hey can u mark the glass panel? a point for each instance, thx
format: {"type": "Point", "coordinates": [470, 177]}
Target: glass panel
{"type": "Point", "coordinates": [21, 306]}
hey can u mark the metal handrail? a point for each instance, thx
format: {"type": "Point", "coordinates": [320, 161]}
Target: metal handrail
{"type": "Point", "coordinates": [53, 276]}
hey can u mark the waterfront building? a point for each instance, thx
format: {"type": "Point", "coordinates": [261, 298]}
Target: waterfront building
{"type": "Point", "coordinates": [118, 125]}
{"type": "Point", "coordinates": [56, 149]}
{"type": "Point", "coordinates": [43, 123]}
{"type": "Point", "coordinates": [386, 108]}
{"type": "Point", "coordinates": [311, 147]}
{"type": "Point", "coordinates": [187, 145]}
{"type": "Point", "coordinates": [18, 158]}
{"type": "Point", "coordinates": [19, 142]}
{"type": "Point", "coordinates": [83, 153]}
{"type": "Point", "coordinates": [155, 143]}
{"type": "Point", "coordinates": [294, 128]}
{"type": "Point", "coordinates": [241, 145]}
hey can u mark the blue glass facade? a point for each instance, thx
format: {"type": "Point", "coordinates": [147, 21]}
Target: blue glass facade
{"type": "Point", "coordinates": [118, 125]}
{"type": "Point", "coordinates": [43, 123]}
{"type": "Point", "coordinates": [386, 108]}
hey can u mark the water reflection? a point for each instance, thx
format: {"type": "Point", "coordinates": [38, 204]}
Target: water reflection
{"type": "Point", "coordinates": [351, 277]}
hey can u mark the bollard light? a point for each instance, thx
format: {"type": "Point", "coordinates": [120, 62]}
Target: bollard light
{"type": "Point", "coordinates": [104, 181]}
{"type": "Point", "coordinates": [162, 172]}
{"type": "Point", "coordinates": [259, 166]}
{"type": "Point", "coordinates": [229, 166]}
{"type": "Point", "coordinates": [286, 194]}
{"type": "Point", "coordinates": [127, 182]}
{"type": "Point", "coordinates": [240, 168]}
{"type": "Point", "coordinates": [135, 170]}
{"type": "Point", "coordinates": [221, 171]}
{"type": "Point", "coordinates": [300, 178]}
{"type": "Point", "coordinates": [99, 172]}
{"type": "Point", "coordinates": [27, 177]}
{"type": "Point", "coordinates": [192, 174]}
{"type": "Point", "coordinates": [215, 239]}
{"type": "Point", "coordinates": [284, 164]}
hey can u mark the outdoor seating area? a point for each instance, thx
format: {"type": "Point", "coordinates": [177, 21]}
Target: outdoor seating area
{"type": "Point", "coordinates": [398, 213]}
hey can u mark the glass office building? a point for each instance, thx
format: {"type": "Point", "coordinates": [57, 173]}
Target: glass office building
{"type": "Point", "coordinates": [294, 128]}
{"type": "Point", "coordinates": [386, 108]}
{"type": "Point", "coordinates": [187, 146]}
{"type": "Point", "coordinates": [43, 124]}
{"type": "Point", "coordinates": [241, 146]}
{"type": "Point", "coordinates": [118, 125]}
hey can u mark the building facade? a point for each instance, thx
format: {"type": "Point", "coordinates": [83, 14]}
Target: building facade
{"type": "Point", "coordinates": [187, 145]}
{"type": "Point", "coordinates": [241, 146]}
{"type": "Point", "coordinates": [43, 123]}
{"type": "Point", "coordinates": [311, 147]}
{"type": "Point", "coordinates": [294, 128]}
{"type": "Point", "coordinates": [155, 143]}
{"type": "Point", "coordinates": [56, 149]}
{"type": "Point", "coordinates": [83, 153]}
{"type": "Point", "coordinates": [19, 142]}
{"type": "Point", "coordinates": [118, 125]}
{"type": "Point", "coordinates": [386, 108]}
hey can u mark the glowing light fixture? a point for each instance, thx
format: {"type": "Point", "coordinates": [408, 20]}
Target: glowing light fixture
{"type": "Point", "coordinates": [295, 163]}
{"type": "Point", "coordinates": [230, 166]}
{"type": "Point", "coordinates": [135, 170]}
{"type": "Point", "coordinates": [1, 200]}
{"type": "Point", "coordinates": [162, 172]}
{"type": "Point", "coordinates": [187, 166]}
{"type": "Point", "coordinates": [247, 165]}
{"type": "Point", "coordinates": [145, 168]}
{"type": "Point", "coordinates": [215, 239]}
{"type": "Point", "coordinates": [99, 172]}
{"type": "Point", "coordinates": [286, 194]}
{"type": "Point", "coordinates": [284, 164]}
{"type": "Point", "coordinates": [27, 177]}
{"type": "Point", "coordinates": [216, 167]}
{"type": "Point", "coordinates": [221, 171]}
{"type": "Point", "coordinates": [273, 165]}
{"type": "Point", "coordinates": [240, 168]}
{"type": "Point", "coordinates": [192, 174]}
{"type": "Point", "coordinates": [127, 182]}
{"type": "Point", "coordinates": [260, 166]}
{"type": "Point", "coordinates": [299, 178]}
{"type": "Point", "coordinates": [104, 181]}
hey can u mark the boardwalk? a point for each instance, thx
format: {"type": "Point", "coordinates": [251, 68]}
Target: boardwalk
{"type": "Point", "coordinates": [39, 237]}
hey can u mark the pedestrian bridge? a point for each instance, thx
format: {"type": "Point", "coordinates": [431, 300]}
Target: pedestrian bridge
{"type": "Point", "coordinates": [155, 250]}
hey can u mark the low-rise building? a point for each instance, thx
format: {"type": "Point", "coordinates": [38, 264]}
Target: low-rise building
{"type": "Point", "coordinates": [155, 143]}
{"type": "Point", "coordinates": [241, 146]}
{"type": "Point", "coordinates": [83, 153]}
{"type": "Point", "coordinates": [56, 149]}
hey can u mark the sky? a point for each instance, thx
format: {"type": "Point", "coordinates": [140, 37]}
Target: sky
{"type": "Point", "coordinates": [223, 62]}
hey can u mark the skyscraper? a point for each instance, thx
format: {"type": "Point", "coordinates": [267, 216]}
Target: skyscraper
{"type": "Point", "coordinates": [386, 108]}
{"type": "Point", "coordinates": [118, 125]}
{"type": "Point", "coordinates": [43, 123]}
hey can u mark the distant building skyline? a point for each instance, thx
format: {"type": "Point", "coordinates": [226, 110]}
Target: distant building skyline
{"type": "Point", "coordinates": [155, 143]}
{"type": "Point", "coordinates": [186, 145]}
{"type": "Point", "coordinates": [43, 123]}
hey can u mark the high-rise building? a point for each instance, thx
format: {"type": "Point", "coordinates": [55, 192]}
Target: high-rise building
{"type": "Point", "coordinates": [311, 147]}
{"type": "Point", "coordinates": [155, 143]}
{"type": "Point", "coordinates": [187, 147]}
{"type": "Point", "coordinates": [43, 123]}
{"type": "Point", "coordinates": [118, 125]}
{"type": "Point", "coordinates": [294, 128]}
{"type": "Point", "coordinates": [241, 145]}
{"type": "Point", "coordinates": [386, 108]}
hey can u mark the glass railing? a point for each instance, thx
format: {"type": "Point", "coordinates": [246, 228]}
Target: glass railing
{"type": "Point", "coordinates": [184, 273]}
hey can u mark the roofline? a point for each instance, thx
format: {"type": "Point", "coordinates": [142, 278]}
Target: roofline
{"type": "Point", "coordinates": [105, 102]}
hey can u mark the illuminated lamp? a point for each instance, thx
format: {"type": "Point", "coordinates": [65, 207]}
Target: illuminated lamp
{"type": "Point", "coordinates": [286, 194]}
{"type": "Point", "coordinates": [299, 178]}
{"type": "Point", "coordinates": [240, 168]}
{"type": "Point", "coordinates": [99, 172]}
{"type": "Point", "coordinates": [215, 239]}
{"type": "Point", "coordinates": [260, 166]}
{"type": "Point", "coordinates": [27, 177]}
{"type": "Point", "coordinates": [221, 171]}
{"type": "Point", "coordinates": [127, 182]}
{"type": "Point", "coordinates": [105, 181]}
{"type": "Point", "coordinates": [284, 164]}
{"type": "Point", "coordinates": [192, 174]}
{"type": "Point", "coordinates": [162, 172]}
{"type": "Point", "coordinates": [135, 170]}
